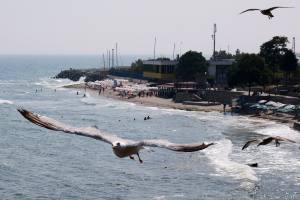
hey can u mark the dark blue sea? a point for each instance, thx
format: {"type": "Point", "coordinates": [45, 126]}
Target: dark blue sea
{"type": "Point", "coordinates": [36, 163]}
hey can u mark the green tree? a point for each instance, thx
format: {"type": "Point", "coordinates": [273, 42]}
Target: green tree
{"type": "Point", "coordinates": [272, 52]}
{"type": "Point", "coordinates": [289, 63]}
{"type": "Point", "coordinates": [137, 66]}
{"type": "Point", "coordinates": [247, 71]}
{"type": "Point", "coordinates": [190, 65]}
{"type": "Point", "coordinates": [265, 77]}
{"type": "Point", "coordinates": [223, 55]}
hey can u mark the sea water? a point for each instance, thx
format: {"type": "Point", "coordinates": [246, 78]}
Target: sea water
{"type": "Point", "coordinates": [36, 163]}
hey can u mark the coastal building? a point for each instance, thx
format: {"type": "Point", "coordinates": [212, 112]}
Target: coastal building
{"type": "Point", "coordinates": [159, 70]}
{"type": "Point", "coordinates": [218, 70]}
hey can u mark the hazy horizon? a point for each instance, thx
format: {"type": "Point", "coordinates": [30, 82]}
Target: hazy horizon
{"type": "Point", "coordinates": [74, 27]}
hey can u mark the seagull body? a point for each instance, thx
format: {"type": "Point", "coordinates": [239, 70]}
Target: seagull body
{"type": "Point", "coordinates": [121, 147]}
{"type": "Point", "coordinates": [267, 12]}
{"type": "Point", "coordinates": [266, 141]}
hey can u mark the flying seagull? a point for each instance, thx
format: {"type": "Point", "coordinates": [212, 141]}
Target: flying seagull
{"type": "Point", "coordinates": [266, 11]}
{"type": "Point", "coordinates": [121, 147]}
{"type": "Point", "coordinates": [267, 141]}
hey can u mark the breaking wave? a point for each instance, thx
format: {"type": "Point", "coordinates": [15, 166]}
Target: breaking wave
{"type": "Point", "coordinates": [3, 101]}
{"type": "Point", "coordinates": [57, 83]}
{"type": "Point", "coordinates": [220, 158]}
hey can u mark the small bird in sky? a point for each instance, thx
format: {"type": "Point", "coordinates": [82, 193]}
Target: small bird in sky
{"type": "Point", "coordinates": [267, 141]}
{"type": "Point", "coordinates": [266, 11]}
{"type": "Point", "coordinates": [121, 147]}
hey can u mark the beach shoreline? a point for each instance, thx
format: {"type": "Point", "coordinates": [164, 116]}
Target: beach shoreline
{"type": "Point", "coordinates": [169, 103]}
{"type": "Point", "coordinates": [148, 101]}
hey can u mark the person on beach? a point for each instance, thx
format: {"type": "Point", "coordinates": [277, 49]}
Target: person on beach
{"type": "Point", "coordinates": [148, 117]}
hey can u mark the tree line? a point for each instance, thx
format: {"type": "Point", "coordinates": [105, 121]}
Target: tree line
{"type": "Point", "coordinates": [273, 64]}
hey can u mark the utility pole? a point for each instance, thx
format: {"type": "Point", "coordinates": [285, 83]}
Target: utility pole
{"type": "Point", "coordinates": [109, 59]}
{"type": "Point", "coordinates": [294, 45]}
{"type": "Point", "coordinates": [174, 51]}
{"type": "Point", "coordinates": [214, 39]}
{"type": "Point", "coordinates": [112, 58]}
{"type": "Point", "coordinates": [154, 48]}
{"type": "Point", "coordinates": [117, 63]}
{"type": "Point", "coordinates": [103, 57]}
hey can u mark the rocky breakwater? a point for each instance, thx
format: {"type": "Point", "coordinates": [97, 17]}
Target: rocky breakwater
{"type": "Point", "coordinates": [89, 74]}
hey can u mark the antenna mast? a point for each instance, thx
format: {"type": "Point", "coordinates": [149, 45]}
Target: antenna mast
{"type": "Point", "coordinates": [112, 58]}
{"type": "Point", "coordinates": [154, 47]}
{"type": "Point", "coordinates": [117, 63]}
{"type": "Point", "coordinates": [294, 45]}
{"type": "Point", "coordinates": [103, 61]}
{"type": "Point", "coordinates": [214, 39]}
{"type": "Point", "coordinates": [109, 59]}
{"type": "Point", "coordinates": [174, 50]}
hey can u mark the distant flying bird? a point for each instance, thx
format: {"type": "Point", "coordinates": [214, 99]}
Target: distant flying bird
{"type": "Point", "coordinates": [121, 147]}
{"type": "Point", "coordinates": [266, 11]}
{"type": "Point", "coordinates": [267, 141]}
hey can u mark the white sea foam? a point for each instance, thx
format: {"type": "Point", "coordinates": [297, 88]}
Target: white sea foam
{"type": "Point", "coordinates": [57, 83]}
{"type": "Point", "coordinates": [274, 129]}
{"type": "Point", "coordinates": [2, 101]}
{"type": "Point", "coordinates": [219, 155]}
{"type": "Point", "coordinates": [159, 197]}
{"type": "Point", "coordinates": [103, 102]}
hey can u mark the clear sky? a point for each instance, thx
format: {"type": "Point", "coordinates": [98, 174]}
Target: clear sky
{"type": "Point", "coordinates": [93, 26]}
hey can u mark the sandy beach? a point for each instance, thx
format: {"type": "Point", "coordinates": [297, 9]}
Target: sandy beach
{"type": "Point", "coordinates": [168, 103]}
{"type": "Point", "coordinates": [151, 101]}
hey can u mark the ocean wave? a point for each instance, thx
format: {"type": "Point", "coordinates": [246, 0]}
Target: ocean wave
{"type": "Point", "coordinates": [3, 101]}
{"type": "Point", "coordinates": [219, 155]}
{"type": "Point", "coordinates": [105, 103]}
{"type": "Point", "coordinates": [274, 129]}
{"type": "Point", "coordinates": [57, 83]}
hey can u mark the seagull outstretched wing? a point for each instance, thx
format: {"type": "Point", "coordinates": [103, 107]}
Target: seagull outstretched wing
{"type": "Point", "coordinates": [273, 8]}
{"type": "Point", "coordinates": [52, 124]}
{"type": "Point", "coordinates": [92, 132]}
{"type": "Point", "coordinates": [251, 9]}
{"type": "Point", "coordinates": [173, 146]}
{"type": "Point", "coordinates": [250, 142]}
{"type": "Point", "coordinates": [284, 139]}
{"type": "Point", "coordinates": [266, 141]}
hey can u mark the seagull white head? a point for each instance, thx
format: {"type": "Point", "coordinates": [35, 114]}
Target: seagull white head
{"type": "Point", "coordinates": [116, 145]}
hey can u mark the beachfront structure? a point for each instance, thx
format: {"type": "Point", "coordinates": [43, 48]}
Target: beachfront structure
{"type": "Point", "coordinates": [166, 90]}
{"type": "Point", "coordinates": [186, 87]}
{"type": "Point", "coordinates": [161, 70]}
{"type": "Point", "coordinates": [218, 70]}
